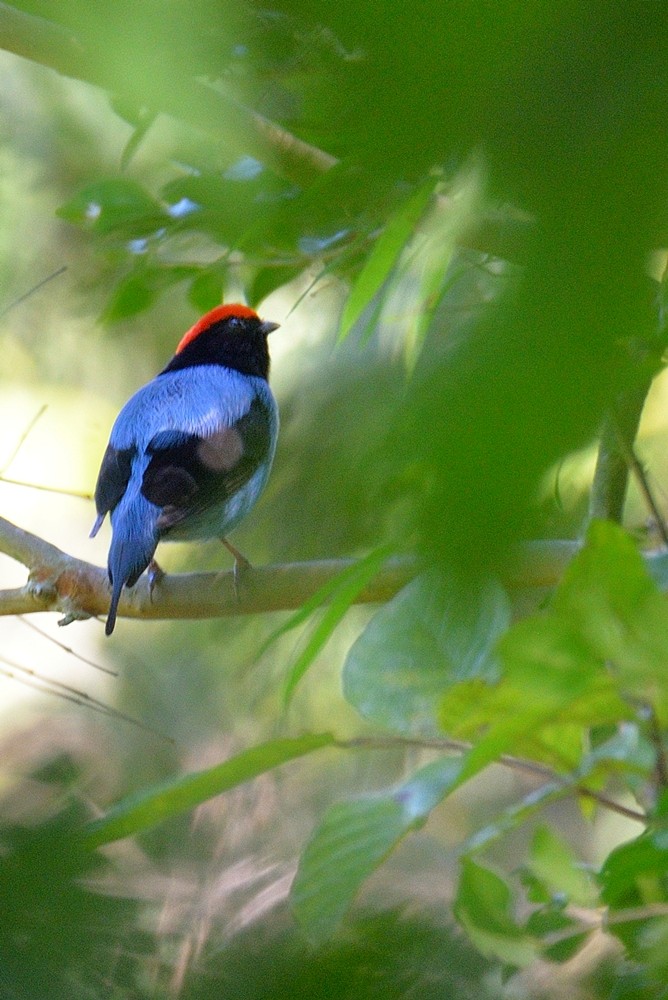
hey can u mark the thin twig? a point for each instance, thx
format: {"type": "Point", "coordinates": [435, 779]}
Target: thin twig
{"type": "Point", "coordinates": [636, 468]}
{"type": "Point", "coordinates": [23, 438]}
{"type": "Point", "coordinates": [65, 691]}
{"type": "Point", "coordinates": [35, 288]}
{"type": "Point", "coordinates": [66, 649]}
{"type": "Point", "coordinates": [587, 922]}
{"type": "Point", "coordinates": [505, 760]}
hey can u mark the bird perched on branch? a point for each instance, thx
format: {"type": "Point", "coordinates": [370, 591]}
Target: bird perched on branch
{"type": "Point", "coordinates": [191, 451]}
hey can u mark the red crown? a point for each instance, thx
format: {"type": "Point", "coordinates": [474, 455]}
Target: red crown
{"type": "Point", "coordinates": [215, 316]}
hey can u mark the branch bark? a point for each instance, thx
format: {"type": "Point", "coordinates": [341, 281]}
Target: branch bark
{"type": "Point", "coordinates": [77, 589]}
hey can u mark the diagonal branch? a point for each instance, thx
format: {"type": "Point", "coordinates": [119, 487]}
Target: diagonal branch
{"type": "Point", "coordinates": [221, 116]}
{"type": "Point", "coordinates": [50, 44]}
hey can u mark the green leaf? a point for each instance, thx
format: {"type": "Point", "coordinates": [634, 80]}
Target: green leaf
{"type": "Point", "coordinates": [564, 936]}
{"type": "Point", "coordinates": [139, 290]}
{"type": "Point", "coordinates": [349, 585]}
{"type": "Point", "coordinates": [119, 206]}
{"type": "Point", "coordinates": [384, 255]}
{"type": "Point", "coordinates": [354, 838]}
{"type": "Point", "coordinates": [435, 632]}
{"type": "Point", "coordinates": [268, 279]}
{"type": "Point", "coordinates": [636, 873]}
{"type": "Point", "coordinates": [145, 120]}
{"type": "Point", "coordinates": [483, 908]}
{"type": "Point", "coordinates": [635, 888]}
{"type": "Point", "coordinates": [146, 809]}
{"type": "Point", "coordinates": [323, 594]}
{"type": "Point", "coordinates": [553, 863]}
{"type": "Point", "coordinates": [556, 680]}
{"type": "Point", "coordinates": [424, 268]}
{"type": "Point", "coordinates": [610, 598]}
{"type": "Point", "coordinates": [338, 594]}
{"type": "Point", "coordinates": [551, 687]}
{"type": "Point", "coordinates": [206, 289]}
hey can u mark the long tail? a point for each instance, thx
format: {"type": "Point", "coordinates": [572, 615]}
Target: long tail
{"type": "Point", "coordinates": [110, 624]}
{"type": "Point", "coordinates": [134, 541]}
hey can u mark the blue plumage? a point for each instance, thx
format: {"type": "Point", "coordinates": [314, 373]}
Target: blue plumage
{"type": "Point", "coordinates": [191, 451]}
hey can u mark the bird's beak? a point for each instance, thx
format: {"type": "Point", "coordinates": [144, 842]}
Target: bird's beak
{"type": "Point", "coordinates": [269, 327]}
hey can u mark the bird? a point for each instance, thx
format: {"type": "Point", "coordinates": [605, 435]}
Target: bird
{"type": "Point", "coordinates": [191, 451]}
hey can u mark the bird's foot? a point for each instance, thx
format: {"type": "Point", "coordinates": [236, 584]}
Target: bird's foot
{"type": "Point", "coordinates": [241, 565]}
{"type": "Point", "coordinates": [155, 574]}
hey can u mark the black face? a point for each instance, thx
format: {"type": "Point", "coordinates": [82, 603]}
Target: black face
{"type": "Point", "coordinates": [236, 342]}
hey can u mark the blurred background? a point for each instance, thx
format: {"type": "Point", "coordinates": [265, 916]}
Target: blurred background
{"type": "Point", "coordinates": [147, 205]}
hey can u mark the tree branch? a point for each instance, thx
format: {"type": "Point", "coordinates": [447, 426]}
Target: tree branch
{"type": "Point", "coordinates": [500, 234]}
{"type": "Point", "coordinates": [49, 44]}
{"type": "Point", "coordinates": [521, 764]}
{"type": "Point", "coordinates": [78, 589]}
{"type": "Point", "coordinates": [59, 582]}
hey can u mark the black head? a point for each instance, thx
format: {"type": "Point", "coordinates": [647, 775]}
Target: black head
{"type": "Point", "coordinates": [233, 336]}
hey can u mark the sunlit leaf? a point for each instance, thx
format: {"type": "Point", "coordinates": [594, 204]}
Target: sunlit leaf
{"type": "Point", "coordinates": [611, 600]}
{"type": "Point", "coordinates": [553, 862]}
{"type": "Point", "coordinates": [570, 666]}
{"type": "Point", "coordinates": [549, 680]}
{"type": "Point", "coordinates": [384, 256]}
{"type": "Point", "coordinates": [171, 798]}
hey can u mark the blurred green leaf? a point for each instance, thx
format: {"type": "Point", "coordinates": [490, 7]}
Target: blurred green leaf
{"type": "Point", "coordinates": [384, 255]}
{"type": "Point", "coordinates": [553, 863]}
{"type": "Point", "coordinates": [418, 286]}
{"type": "Point", "coordinates": [611, 600]}
{"type": "Point", "coordinates": [438, 630]}
{"type": "Point", "coordinates": [561, 668]}
{"type": "Point", "coordinates": [268, 279]}
{"type": "Point", "coordinates": [354, 838]}
{"type": "Point", "coordinates": [145, 120]}
{"type": "Point", "coordinates": [146, 809]}
{"type": "Point", "coordinates": [634, 878]}
{"type": "Point", "coordinates": [338, 594]}
{"type": "Point", "coordinates": [139, 290]}
{"type": "Point", "coordinates": [636, 873]}
{"type": "Point", "coordinates": [483, 908]}
{"type": "Point", "coordinates": [564, 935]}
{"type": "Point", "coordinates": [120, 206]}
{"type": "Point", "coordinates": [206, 290]}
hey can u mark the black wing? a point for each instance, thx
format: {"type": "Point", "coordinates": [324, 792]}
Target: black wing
{"type": "Point", "coordinates": [112, 479]}
{"type": "Point", "coordinates": [188, 474]}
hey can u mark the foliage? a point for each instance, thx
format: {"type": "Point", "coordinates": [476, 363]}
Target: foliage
{"type": "Point", "coordinates": [486, 186]}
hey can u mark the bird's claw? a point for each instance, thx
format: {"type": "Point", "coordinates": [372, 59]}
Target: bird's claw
{"type": "Point", "coordinates": [155, 574]}
{"type": "Point", "coordinates": [241, 565]}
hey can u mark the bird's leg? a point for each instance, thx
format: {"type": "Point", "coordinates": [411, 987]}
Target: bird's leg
{"type": "Point", "coordinates": [241, 564]}
{"type": "Point", "coordinates": [155, 574]}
